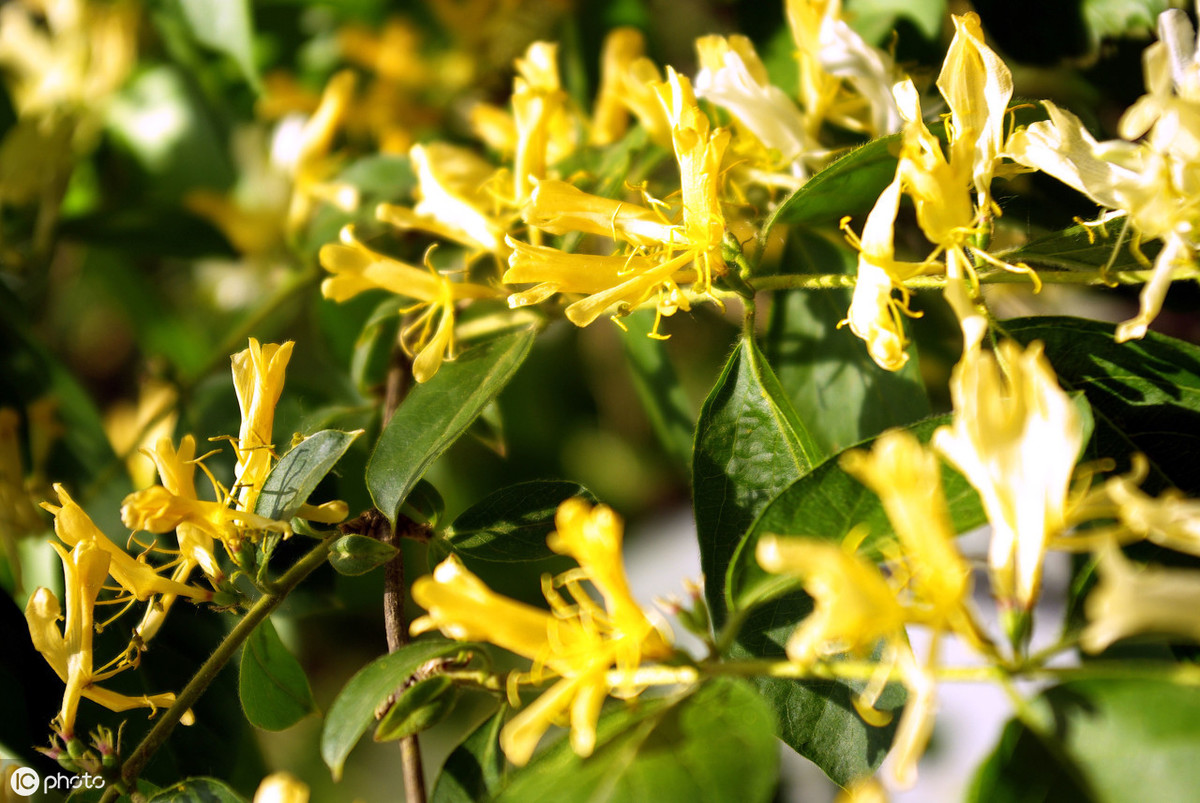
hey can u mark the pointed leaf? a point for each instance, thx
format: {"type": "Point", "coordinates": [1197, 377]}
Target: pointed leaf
{"type": "Point", "coordinates": [436, 413]}
{"type": "Point", "coordinates": [354, 709]}
{"type": "Point", "coordinates": [300, 471]}
{"type": "Point", "coordinates": [226, 27]}
{"type": "Point", "coordinates": [1082, 248]}
{"type": "Point", "coordinates": [271, 683]}
{"type": "Point", "coordinates": [419, 707]}
{"type": "Point", "coordinates": [749, 446]}
{"type": "Point", "coordinates": [475, 770]}
{"type": "Point", "coordinates": [715, 744]}
{"type": "Point", "coordinates": [511, 525]}
{"type": "Point", "coordinates": [197, 790]}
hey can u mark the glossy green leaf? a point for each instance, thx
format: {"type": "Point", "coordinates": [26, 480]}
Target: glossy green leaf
{"type": "Point", "coordinates": [848, 186]}
{"type": "Point", "coordinates": [1145, 394]}
{"type": "Point", "coordinates": [226, 27]}
{"type": "Point", "coordinates": [658, 388]}
{"type": "Point", "coordinates": [1107, 741]}
{"type": "Point", "coordinates": [197, 790]}
{"type": "Point", "coordinates": [511, 525]}
{"type": "Point", "coordinates": [298, 473]}
{"type": "Point", "coordinates": [420, 707]}
{"type": "Point", "coordinates": [835, 386]}
{"type": "Point", "coordinates": [271, 683]}
{"type": "Point", "coordinates": [715, 744]}
{"type": "Point", "coordinates": [354, 709]}
{"type": "Point", "coordinates": [475, 770]}
{"type": "Point", "coordinates": [828, 503]}
{"type": "Point", "coordinates": [436, 413]}
{"type": "Point", "coordinates": [358, 554]}
{"type": "Point", "coordinates": [749, 446]}
{"type": "Point", "coordinates": [1082, 248]}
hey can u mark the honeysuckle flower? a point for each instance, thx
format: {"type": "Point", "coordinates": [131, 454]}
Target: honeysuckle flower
{"type": "Point", "coordinates": [733, 77]}
{"type": "Point", "coordinates": [906, 477]}
{"type": "Point", "coordinates": [453, 199]}
{"type": "Point", "coordinates": [855, 611]}
{"type": "Point", "coordinates": [1132, 600]}
{"type": "Point", "coordinates": [258, 376]}
{"type": "Point", "coordinates": [131, 426]}
{"type": "Point", "coordinates": [1152, 181]}
{"type": "Point", "coordinates": [610, 113]}
{"type": "Point", "coordinates": [545, 132]}
{"type": "Point", "coordinates": [281, 787]}
{"type": "Point", "coordinates": [830, 53]}
{"type": "Point", "coordinates": [73, 526]}
{"type": "Point", "coordinates": [430, 337]}
{"type": "Point", "coordinates": [69, 651]}
{"type": "Point", "coordinates": [578, 640]}
{"type": "Point", "coordinates": [1016, 436]}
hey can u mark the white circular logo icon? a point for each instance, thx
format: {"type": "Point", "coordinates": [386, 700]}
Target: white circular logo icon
{"type": "Point", "coordinates": [24, 781]}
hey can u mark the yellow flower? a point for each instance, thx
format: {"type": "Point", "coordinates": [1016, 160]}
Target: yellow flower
{"type": "Point", "coordinates": [308, 158]}
{"type": "Point", "coordinates": [454, 201]}
{"type": "Point", "coordinates": [151, 418]}
{"type": "Point", "coordinates": [907, 478]}
{"type": "Point", "coordinates": [19, 515]}
{"type": "Point", "coordinates": [430, 337]}
{"type": "Point", "coordinates": [1016, 436]}
{"type": "Point", "coordinates": [258, 375]}
{"type": "Point", "coordinates": [281, 787]}
{"type": "Point", "coordinates": [545, 133]}
{"type": "Point", "coordinates": [73, 526]}
{"type": "Point", "coordinates": [69, 651]}
{"type": "Point", "coordinates": [578, 640]}
{"type": "Point", "coordinates": [1132, 600]}
{"type": "Point", "coordinates": [610, 114]}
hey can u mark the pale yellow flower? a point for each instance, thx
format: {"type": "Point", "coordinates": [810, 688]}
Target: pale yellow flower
{"type": "Point", "coordinates": [281, 787]}
{"type": "Point", "coordinates": [1016, 436]}
{"type": "Point", "coordinates": [258, 376]}
{"type": "Point", "coordinates": [578, 640]}
{"type": "Point", "coordinates": [69, 651]}
{"type": "Point", "coordinates": [1133, 600]}
{"type": "Point", "coordinates": [545, 132]}
{"type": "Point", "coordinates": [610, 113]}
{"type": "Point", "coordinates": [131, 426]}
{"type": "Point", "coordinates": [430, 336]}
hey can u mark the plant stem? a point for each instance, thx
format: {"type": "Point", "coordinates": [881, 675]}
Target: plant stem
{"type": "Point", "coordinates": [208, 671]}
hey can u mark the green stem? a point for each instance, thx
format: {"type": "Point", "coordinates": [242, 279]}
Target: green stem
{"type": "Point", "coordinates": [209, 670]}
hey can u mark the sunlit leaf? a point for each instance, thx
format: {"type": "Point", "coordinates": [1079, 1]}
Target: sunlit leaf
{"type": "Point", "coordinates": [272, 685]}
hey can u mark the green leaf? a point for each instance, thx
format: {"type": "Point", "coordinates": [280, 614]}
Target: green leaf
{"type": "Point", "coordinates": [875, 20]}
{"type": "Point", "coordinates": [1081, 248]}
{"type": "Point", "coordinates": [475, 770]}
{"type": "Point", "coordinates": [749, 446]}
{"type": "Point", "coordinates": [511, 525]}
{"type": "Point", "coordinates": [419, 707]}
{"type": "Point", "coordinates": [848, 186]}
{"type": "Point", "coordinates": [436, 413]}
{"type": "Point", "coordinates": [1145, 394]}
{"type": "Point", "coordinates": [298, 473]}
{"type": "Point", "coordinates": [658, 388]}
{"type": "Point", "coordinates": [226, 27]}
{"type": "Point", "coordinates": [715, 744]}
{"type": "Point", "coordinates": [354, 709]}
{"type": "Point", "coordinates": [837, 389]}
{"type": "Point", "coordinates": [271, 683]}
{"type": "Point", "coordinates": [353, 555]}
{"type": "Point", "coordinates": [828, 503]}
{"type": "Point", "coordinates": [1109, 741]}
{"type": "Point", "coordinates": [1111, 19]}
{"type": "Point", "coordinates": [197, 790]}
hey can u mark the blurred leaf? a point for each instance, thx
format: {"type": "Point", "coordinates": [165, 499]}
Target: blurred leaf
{"type": "Point", "coordinates": [475, 770]}
{"type": "Point", "coordinates": [358, 554]}
{"type": "Point", "coordinates": [1108, 741]}
{"type": "Point", "coordinates": [1145, 394]}
{"type": "Point", "coordinates": [436, 413]}
{"type": "Point", "coordinates": [875, 20]}
{"type": "Point", "coordinates": [1081, 248]}
{"type": "Point", "coordinates": [658, 388]}
{"type": "Point", "coordinates": [272, 685]}
{"type": "Point", "coordinates": [419, 707]}
{"type": "Point", "coordinates": [354, 709]}
{"type": "Point", "coordinates": [715, 744]}
{"type": "Point", "coordinates": [837, 389]}
{"type": "Point", "coordinates": [511, 525]}
{"type": "Point", "coordinates": [197, 790]}
{"type": "Point", "coordinates": [749, 446]}
{"type": "Point", "coordinates": [226, 27]}
{"type": "Point", "coordinates": [300, 471]}
{"type": "Point", "coordinates": [828, 503]}
{"type": "Point", "coordinates": [1120, 18]}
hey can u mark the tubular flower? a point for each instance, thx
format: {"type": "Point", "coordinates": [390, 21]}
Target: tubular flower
{"type": "Point", "coordinates": [258, 375]}
{"type": "Point", "coordinates": [855, 611]}
{"type": "Point", "coordinates": [430, 337]}
{"type": "Point", "coordinates": [1132, 600]}
{"type": "Point", "coordinates": [73, 526]}
{"type": "Point", "coordinates": [453, 199]}
{"type": "Point", "coordinates": [308, 157]}
{"type": "Point", "coordinates": [1153, 180]}
{"type": "Point", "coordinates": [610, 113]}
{"type": "Point", "coordinates": [69, 651]}
{"type": "Point", "coordinates": [907, 478]}
{"type": "Point", "coordinates": [545, 133]}
{"type": "Point", "coordinates": [1015, 436]}
{"type": "Point", "coordinates": [578, 640]}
